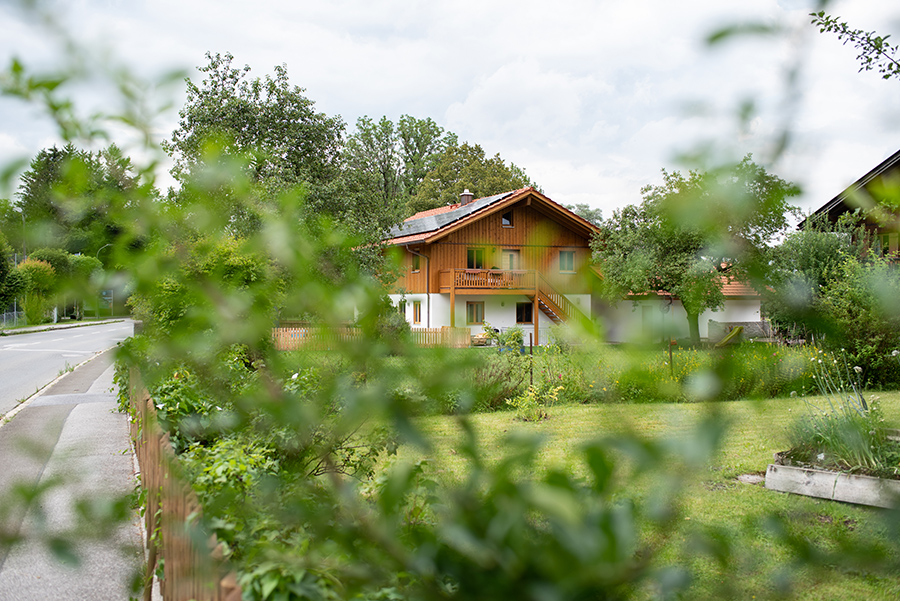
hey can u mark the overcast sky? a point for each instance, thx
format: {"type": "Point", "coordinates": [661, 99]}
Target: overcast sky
{"type": "Point", "coordinates": [591, 98]}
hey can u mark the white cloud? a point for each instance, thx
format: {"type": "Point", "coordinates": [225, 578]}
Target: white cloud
{"type": "Point", "coordinates": [591, 97]}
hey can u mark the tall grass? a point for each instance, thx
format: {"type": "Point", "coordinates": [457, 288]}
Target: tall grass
{"type": "Point", "coordinates": [843, 431]}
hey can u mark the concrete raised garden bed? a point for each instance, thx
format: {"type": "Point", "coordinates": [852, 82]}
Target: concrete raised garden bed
{"type": "Point", "coordinates": [837, 486]}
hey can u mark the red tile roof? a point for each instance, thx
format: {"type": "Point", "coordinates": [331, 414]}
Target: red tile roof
{"type": "Point", "coordinates": [436, 211]}
{"type": "Point", "coordinates": [730, 289]}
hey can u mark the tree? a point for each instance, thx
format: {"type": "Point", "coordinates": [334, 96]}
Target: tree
{"type": "Point", "coordinates": [875, 52]}
{"type": "Point", "coordinates": [859, 307]}
{"type": "Point", "coordinates": [587, 212]}
{"type": "Point", "coordinates": [267, 121]}
{"type": "Point", "coordinates": [395, 159]}
{"type": "Point", "coordinates": [84, 280]}
{"type": "Point", "coordinates": [11, 281]}
{"type": "Point", "coordinates": [802, 268]}
{"type": "Point", "coordinates": [71, 199]}
{"type": "Point", "coordinates": [373, 150]}
{"type": "Point", "coordinates": [236, 131]}
{"type": "Point", "coordinates": [663, 244]}
{"type": "Point", "coordinates": [422, 142]}
{"type": "Point", "coordinates": [466, 166]}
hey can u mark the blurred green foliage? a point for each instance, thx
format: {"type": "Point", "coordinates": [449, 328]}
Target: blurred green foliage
{"type": "Point", "coordinates": [293, 471]}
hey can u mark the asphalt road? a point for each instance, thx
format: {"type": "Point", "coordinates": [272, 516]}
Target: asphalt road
{"type": "Point", "coordinates": [29, 362]}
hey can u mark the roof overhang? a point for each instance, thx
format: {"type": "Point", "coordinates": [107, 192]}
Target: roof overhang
{"type": "Point", "coordinates": [429, 229]}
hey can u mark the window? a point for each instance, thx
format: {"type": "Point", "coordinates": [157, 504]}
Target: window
{"type": "Point", "coordinates": [417, 311]}
{"type": "Point", "coordinates": [885, 240]}
{"type": "Point", "coordinates": [474, 313]}
{"type": "Point", "coordinates": [416, 262]}
{"type": "Point", "coordinates": [506, 220]}
{"type": "Point", "coordinates": [475, 258]}
{"type": "Point", "coordinates": [402, 308]}
{"type": "Point", "coordinates": [567, 260]}
{"type": "Point", "coordinates": [523, 313]}
{"type": "Point", "coordinates": [510, 259]}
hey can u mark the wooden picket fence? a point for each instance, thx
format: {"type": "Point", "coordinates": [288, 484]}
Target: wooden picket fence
{"type": "Point", "coordinates": [294, 338]}
{"type": "Point", "coordinates": [191, 566]}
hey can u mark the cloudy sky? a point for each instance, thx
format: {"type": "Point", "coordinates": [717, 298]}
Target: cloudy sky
{"type": "Point", "coordinates": [591, 98]}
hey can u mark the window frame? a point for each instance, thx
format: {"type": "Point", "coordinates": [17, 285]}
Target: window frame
{"type": "Point", "coordinates": [523, 305]}
{"type": "Point", "coordinates": [506, 219]}
{"type": "Point", "coordinates": [884, 241]}
{"type": "Point", "coordinates": [475, 258]}
{"type": "Point", "coordinates": [571, 261]}
{"type": "Point", "coordinates": [417, 311]}
{"type": "Point", "coordinates": [416, 263]}
{"type": "Point", "coordinates": [473, 308]}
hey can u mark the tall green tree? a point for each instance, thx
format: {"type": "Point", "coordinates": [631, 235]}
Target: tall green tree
{"type": "Point", "coordinates": [394, 159]}
{"type": "Point", "coordinates": [466, 166]}
{"type": "Point", "coordinates": [39, 280]}
{"type": "Point", "coordinates": [587, 212]}
{"type": "Point", "coordinates": [12, 282]}
{"type": "Point", "coordinates": [245, 140]}
{"type": "Point", "coordinates": [665, 244]}
{"type": "Point", "coordinates": [422, 142]}
{"type": "Point", "coordinates": [71, 199]}
{"type": "Point", "coordinates": [267, 121]}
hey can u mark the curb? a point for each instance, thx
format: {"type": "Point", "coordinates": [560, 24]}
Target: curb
{"type": "Point", "coordinates": [52, 327]}
{"type": "Point", "coordinates": [7, 417]}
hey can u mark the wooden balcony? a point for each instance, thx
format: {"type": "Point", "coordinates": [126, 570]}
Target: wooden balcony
{"type": "Point", "coordinates": [487, 280]}
{"type": "Point", "coordinates": [503, 281]}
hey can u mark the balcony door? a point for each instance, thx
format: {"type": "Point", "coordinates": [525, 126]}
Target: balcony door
{"type": "Point", "coordinates": [510, 259]}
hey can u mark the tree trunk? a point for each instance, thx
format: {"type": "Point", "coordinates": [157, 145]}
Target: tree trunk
{"type": "Point", "coordinates": [694, 327]}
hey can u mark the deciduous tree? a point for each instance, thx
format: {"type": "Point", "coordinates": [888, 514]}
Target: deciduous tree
{"type": "Point", "coordinates": [393, 160]}
{"type": "Point", "coordinates": [691, 231]}
{"type": "Point", "coordinates": [462, 167]}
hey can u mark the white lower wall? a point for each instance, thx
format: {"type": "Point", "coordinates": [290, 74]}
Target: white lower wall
{"type": "Point", "coordinates": [499, 312]}
{"type": "Point", "coordinates": [654, 319]}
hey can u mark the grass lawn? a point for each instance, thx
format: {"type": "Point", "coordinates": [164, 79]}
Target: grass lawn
{"type": "Point", "coordinates": [714, 498]}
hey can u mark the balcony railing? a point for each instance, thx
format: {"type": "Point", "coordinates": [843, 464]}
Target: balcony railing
{"type": "Point", "coordinates": [487, 279]}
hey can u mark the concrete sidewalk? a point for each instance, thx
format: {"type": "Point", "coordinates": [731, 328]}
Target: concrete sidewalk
{"type": "Point", "coordinates": [72, 440]}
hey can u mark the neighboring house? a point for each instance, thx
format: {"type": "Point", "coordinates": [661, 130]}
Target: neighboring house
{"type": "Point", "coordinates": [512, 259]}
{"type": "Point", "coordinates": [877, 193]}
{"type": "Point", "coordinates": [654, 316]}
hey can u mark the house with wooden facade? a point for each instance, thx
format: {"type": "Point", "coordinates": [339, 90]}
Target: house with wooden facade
{"type": "Point", "coordinates": [512, 259]}
{"type": "Point", "coordinates": [877, 195]}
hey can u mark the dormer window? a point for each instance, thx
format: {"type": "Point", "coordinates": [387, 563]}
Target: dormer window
{"type": "Point", "coordinates": [506, 219]}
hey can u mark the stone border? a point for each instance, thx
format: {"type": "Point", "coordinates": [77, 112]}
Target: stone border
{"type": "Point", "coordinates": [835, 486]}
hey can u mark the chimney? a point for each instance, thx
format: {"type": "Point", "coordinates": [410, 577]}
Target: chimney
{"type": "Point", "coordinates": [466, 197]}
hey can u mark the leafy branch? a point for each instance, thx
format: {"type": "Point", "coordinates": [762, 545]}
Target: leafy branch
{"type": "Point", "coordinates": [875, 52]}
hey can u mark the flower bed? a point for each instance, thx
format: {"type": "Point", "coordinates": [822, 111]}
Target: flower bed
{"type": "Point", "coordinates": [837, 486]}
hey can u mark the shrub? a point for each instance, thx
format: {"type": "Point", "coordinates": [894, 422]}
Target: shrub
{"type": "Point", "coordinates": [530, 405]}
{"type": "Point", "coordinates": [39, 278]}
{"type": "Point", "coordinates": [496, 378]}
{"type": "Point", "coordinates": [860, 304]}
